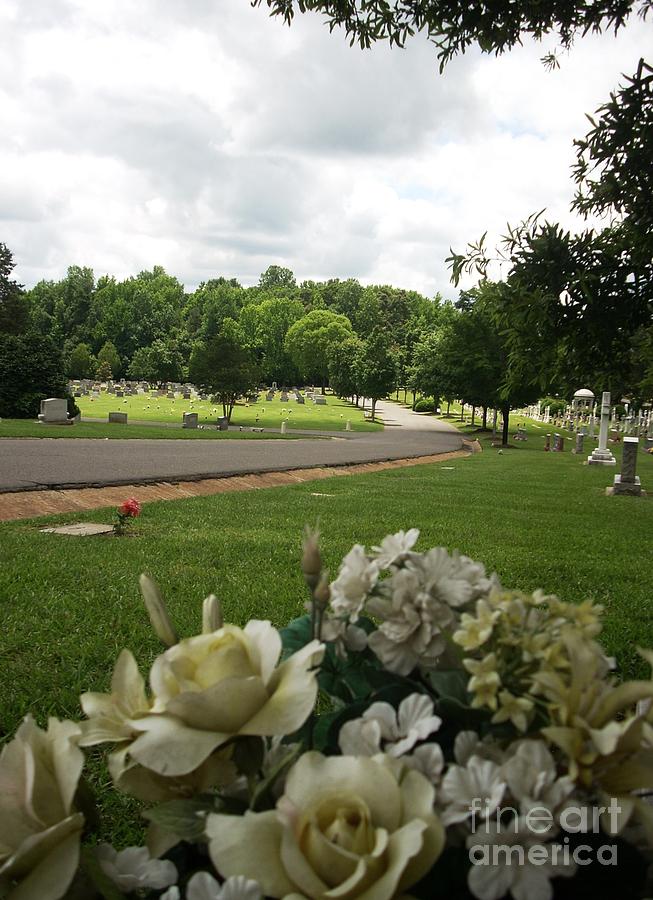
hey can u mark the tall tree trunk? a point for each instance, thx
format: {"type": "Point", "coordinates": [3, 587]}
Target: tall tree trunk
{"type": "Point", "coordinates": [397, 396]}
{"type": "Point", "coordinates": [414, 399]}
{"type": "Point", "coordinates": [405, 392]}
{"type": "Point", "coordinates": [373, 407]}
{"type": "Point", "coordinates": [484, 418]}
{"type": "Point", "coordinates": [505, 412]}
{"type": "Point", "coordinates": [323, 385]}
{"type": "Point", "coordinates": [448, 407]}
{"type": "Point", "coordinates": [435, 405]}
{"type": "Point", "coordinates": [462, 411]}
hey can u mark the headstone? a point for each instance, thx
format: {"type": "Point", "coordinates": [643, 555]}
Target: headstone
{"type": "Point", "coordinates": [223, 423]}
{"type": "Point", "coordinates": [547, 443]}
{"type": "Point", "coordinates": [186, 395]}
{"type": "Point", "coordinates": [170, 395]}
{"type": "Point", "coordinates": [580, 439]}
{"type": "Point", "coordinates": [628, 482]}
{"type": "Point", "coordinates": [190, 420]}
{"type": "Point", "coordinates": [54, 411]}
{"type": "Point", "coordinates": [601, 455]}
{"type": "Point", "coordinates": [269, 397]}
{"type": "Point", "coordinates": [274, 386]}
{"type": "Point", "coordinates": [558, 443]}
{"type": "Point", "coordinates": [319, 400]}
{"type": "Point", "coordinates": [119, 393]}
{"type": "Point", "coordinates": [283, 427]}
{"type": "Point", "coordinates": [81, 529]}
{"type": "Point", "coordinates": [348, 425]}
{"type": "Point", "coordinates": [118, 418]}
{"type": "Point", "coordinates": [300, 399]}
{"type": "Point", "coordinates": [284, 397]}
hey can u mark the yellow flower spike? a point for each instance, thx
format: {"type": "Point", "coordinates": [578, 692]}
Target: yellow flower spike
{"type": "Point", "coordinates": [513, 709]}
{"type": "Point", "coordinates": [157, 611]}
{"type": "Point", "coordinates": [211, 615]}
{"type": "Point", "coordinates": [620, 698]}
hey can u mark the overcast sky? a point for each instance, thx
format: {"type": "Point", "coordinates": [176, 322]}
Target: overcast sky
{"type": "Point", "coordinates": [206, 137]}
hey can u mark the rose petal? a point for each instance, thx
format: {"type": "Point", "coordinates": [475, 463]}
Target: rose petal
{"type": "Point", "coordinates": [249, 845]}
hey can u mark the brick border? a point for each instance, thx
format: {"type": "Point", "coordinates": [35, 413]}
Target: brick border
{"type": "Point", "coordinates": [30, 504]}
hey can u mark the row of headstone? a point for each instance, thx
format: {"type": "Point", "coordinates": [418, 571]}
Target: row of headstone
{"type": "Point", "coordinates": [585, 421]}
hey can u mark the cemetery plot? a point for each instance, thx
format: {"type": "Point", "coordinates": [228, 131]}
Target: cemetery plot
{"type": "Point", "coordinates": [311, 412]}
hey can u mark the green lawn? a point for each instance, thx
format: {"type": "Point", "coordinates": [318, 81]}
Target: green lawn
{"type": "Point", "coordinates": [539, 519]}
{"type": "Point", "coordinates": [25, 428]}
{"type": "Point", "coordinates": [332, 417]}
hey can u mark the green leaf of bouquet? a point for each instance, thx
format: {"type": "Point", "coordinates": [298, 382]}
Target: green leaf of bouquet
{"type": "Point", "coordinates": [92, 872]}
{"type": "Point", "coordinates": [185, 818]}
{"type": "Point", "coordinates": [295, 636]}
{"type": "Point", "coordinates": [450, 684]}
{"type": "Point", "coordinates": [265, 785]}
{"type": "Point", "coordinates": [248, 755]}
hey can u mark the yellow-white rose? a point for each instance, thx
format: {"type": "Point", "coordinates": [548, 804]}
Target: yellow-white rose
{"type": "Point", "coordinates": [347, 827]}
{"type": "Point", "coordinates": [39, 827]}
{"type": "Point", "coordinates": [210, 688]}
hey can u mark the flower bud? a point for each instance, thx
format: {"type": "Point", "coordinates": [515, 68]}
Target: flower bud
{"type": "Point", "coordinates": [211, 615]}
{"type": "Point", "coordinates": [157, 611]}
{"type": "Point", "coordinates": [311, 559]}
{"type": "Point", "coordinates": [322, 592]}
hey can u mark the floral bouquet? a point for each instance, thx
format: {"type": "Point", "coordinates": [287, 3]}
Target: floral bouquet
{"type": "Point", "coordinates": [129, 509]}
{"type": "Point", "coordinates": [421, 732]}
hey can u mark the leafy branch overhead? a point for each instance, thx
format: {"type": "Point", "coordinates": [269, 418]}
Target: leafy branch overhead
{"type": "Point", "coordinates": [454, 25]}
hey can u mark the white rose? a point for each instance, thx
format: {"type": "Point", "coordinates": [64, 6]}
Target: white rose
{"type": "Point", "coordinates": [39, 827]}
{"type": "Point", "coordinates": [210, 688]}
{"type": "Point", "coordinates": [346, 826]}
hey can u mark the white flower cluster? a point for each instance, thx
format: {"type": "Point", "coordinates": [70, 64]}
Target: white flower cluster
{"type": "Point", "coordinates": [513, 798]}
{"type": "Point", "coordinates": [488, 796]}
{"type": "Point", "coordinates": [417, 598]}
{"type": "Point", "coordinates": [382, 730]}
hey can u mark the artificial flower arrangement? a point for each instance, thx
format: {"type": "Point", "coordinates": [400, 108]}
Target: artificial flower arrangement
{"type": "Point", "coordinates": [129, 509]}
{"type": "Point", "coordinates": [420, 733]}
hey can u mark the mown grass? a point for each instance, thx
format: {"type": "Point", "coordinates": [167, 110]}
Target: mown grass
{"type": "Point", "coordinates": [24, 428]}
{"type": "Point", "coordinates": [69, 605]}
{"type": "Point", "coordinates": [331, 417]}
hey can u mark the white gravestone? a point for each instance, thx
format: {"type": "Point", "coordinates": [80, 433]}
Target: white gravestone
{"type": "Point", "coordinates": [602, 456]}
{"type": "Point", "coordinates": [54, 411]}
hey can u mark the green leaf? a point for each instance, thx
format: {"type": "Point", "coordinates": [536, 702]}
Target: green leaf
{"type": "Point", "coordinates": [268, 783]}
{"type": "Point", "coordinates": [185, 818]}
{"type": "Point", "coordinates": [93, 871]}
{"type": "Point", "coordinates": [450, 684]}
{"type": "Point", "coordinates": [248, 755]}
{"type": "Point", "coordinates": [295, 636]}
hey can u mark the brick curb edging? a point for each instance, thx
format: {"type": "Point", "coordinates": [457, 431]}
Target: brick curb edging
{"type": "Point", "coordinates": [29, 504]}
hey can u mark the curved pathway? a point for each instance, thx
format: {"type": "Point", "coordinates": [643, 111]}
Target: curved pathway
{"type": "Point", "coordinates": [57, 463]}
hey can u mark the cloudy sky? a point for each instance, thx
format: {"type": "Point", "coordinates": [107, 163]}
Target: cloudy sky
{"type": "Point", "coordinates": [206, 137]}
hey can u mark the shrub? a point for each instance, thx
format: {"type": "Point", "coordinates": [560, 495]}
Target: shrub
{"type": "Point", "coordinates": [31, 369]}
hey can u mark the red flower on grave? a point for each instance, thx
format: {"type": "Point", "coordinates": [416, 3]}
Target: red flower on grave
{"type": "Point", "coordinates": [130, 508]}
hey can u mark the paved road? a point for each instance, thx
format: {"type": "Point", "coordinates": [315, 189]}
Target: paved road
{"type": "Point", "coordinates": [34, 464]}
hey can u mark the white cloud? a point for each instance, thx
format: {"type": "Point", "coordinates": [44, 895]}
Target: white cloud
{"type": "Point", "coordinates": [208, 138]}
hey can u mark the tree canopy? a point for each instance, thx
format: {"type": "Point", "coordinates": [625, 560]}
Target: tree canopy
{"type": "Point", "coordinates": [454, 25]}
{"type": "Point", "coordinates": [224, 367]}
{"type": "Point", "coordinates": [577, 309]}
